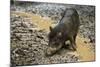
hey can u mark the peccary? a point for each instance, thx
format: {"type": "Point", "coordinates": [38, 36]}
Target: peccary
{"type": "Point", "coordinates": [66, 30]}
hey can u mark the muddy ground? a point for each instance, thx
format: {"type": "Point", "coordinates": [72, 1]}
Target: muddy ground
{"type": "Point", "coordinates": [30, 22]}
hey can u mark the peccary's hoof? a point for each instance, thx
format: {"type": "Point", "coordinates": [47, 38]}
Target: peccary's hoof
{"type": "Point", "coordinates": [74, 49]}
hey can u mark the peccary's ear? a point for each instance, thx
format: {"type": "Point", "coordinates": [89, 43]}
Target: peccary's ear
{"type": "Point", "coordinates": [50, 28]}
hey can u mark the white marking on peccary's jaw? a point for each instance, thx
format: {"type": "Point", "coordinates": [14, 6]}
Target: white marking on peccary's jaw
{"type": "Point", "coordinates": [59, 34]}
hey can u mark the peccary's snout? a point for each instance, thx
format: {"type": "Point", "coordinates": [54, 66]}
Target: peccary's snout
{"type": "Point", "coordinates": [50, 51]}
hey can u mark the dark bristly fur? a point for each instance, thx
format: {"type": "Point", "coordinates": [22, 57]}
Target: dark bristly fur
{"type": "Point", "coordinates": [66, 30]}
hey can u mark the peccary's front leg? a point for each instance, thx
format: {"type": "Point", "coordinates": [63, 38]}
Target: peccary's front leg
{"type": "Point", "coordinates": [73, 44]}
{"type": "Point", "coordinates": [75, 37]}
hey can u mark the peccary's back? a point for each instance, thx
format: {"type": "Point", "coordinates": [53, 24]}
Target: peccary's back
{"type": "Point", "coordinates": [69, 23]}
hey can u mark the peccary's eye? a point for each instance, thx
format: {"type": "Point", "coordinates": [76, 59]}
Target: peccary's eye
{"type": "Point", "coordinates": [55, 39]}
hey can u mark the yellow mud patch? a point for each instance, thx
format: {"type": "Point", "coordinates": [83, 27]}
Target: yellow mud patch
{"type": "Point", "coordinates": [41, 22]}
{"type": "Point", "coordinates": [83, 49]}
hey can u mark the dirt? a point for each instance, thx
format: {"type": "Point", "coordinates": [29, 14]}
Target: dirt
{"type": "Point", "coordinates": [29, 40]}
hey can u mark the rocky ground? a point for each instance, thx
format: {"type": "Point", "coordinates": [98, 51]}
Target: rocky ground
{"type": "Point", "coordinates": [29, 42]}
